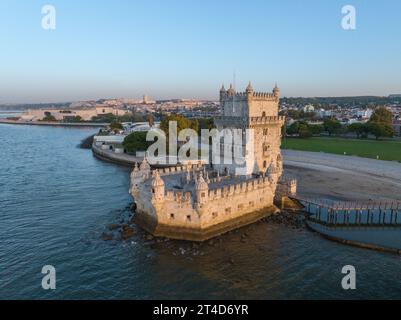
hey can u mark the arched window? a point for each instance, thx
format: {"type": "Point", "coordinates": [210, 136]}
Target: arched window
{"type": "Point", "coordinates": [264, 164]}
{"type": "Point", "coordinates": [263, 114]}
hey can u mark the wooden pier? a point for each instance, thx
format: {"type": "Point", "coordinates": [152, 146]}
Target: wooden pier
{"type": "Point", "coordinates": [340, 214]}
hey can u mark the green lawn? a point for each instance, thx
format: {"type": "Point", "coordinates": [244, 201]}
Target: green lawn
{"type": "Point", "coordinates": [386, 150]}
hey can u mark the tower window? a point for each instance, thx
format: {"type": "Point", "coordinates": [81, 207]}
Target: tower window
{"type": "Point", "coordinates": [263, 114]}
{"type": "Point", "coordinates": [171, 215]}
{"type": "Point", "coordinates": [264, 164]}
{"type": "Point", "coordinates": [188, 218]}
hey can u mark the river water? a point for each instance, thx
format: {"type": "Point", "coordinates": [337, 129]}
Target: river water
{"type": "Point", "coordinates": [56, 200]}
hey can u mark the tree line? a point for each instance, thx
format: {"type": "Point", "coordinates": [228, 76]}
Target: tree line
{"type": "Point", "coordinates": [380, 125]}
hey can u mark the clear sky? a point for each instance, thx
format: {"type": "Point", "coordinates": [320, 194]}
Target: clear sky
{"type": "Point", "coordinates": [188, 48]}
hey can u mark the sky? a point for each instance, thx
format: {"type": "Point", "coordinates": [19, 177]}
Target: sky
{"type": "Point", "coordinates": [188, 48]}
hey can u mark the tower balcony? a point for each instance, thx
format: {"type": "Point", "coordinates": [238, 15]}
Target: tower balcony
{"type": "Point", "coordinates": [254, 121]}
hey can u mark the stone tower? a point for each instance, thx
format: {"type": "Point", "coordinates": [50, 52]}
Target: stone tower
{"type": "Point", "coordinates": [201, 190]}
{"type": "Point", "coordinates": [157, 187]}
{"type": "Point", "coordinates": [257, 111]}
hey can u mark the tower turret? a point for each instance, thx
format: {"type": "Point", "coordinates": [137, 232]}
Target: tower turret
{"type": "Point", "coordinates": [201, 189]}
{"type": "Point", "coordinates": [144, 168]}
{"type": "Point", "coordinates": [157, 187]}
{"type": "Point", "coordinates": [273, 172]}
{"type": "Point", "coordinates": [249, 89]}
{"type": "Point", "coordinates": [144, 165]}
{"type": "Point", "coordinates": [231, 91]}
{"type": "Point", "coordinates": [223, 93]}
{"type": "Point", "coordinates": [276, 91]}
{"type": "Point", "coordinates": [136, 178]}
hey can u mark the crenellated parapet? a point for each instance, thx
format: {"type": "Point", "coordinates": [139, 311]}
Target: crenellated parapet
{"type": "Point", "coordinates": [244, 96]}
{"type": "Point", "coordinates": [267, 120]}
{"type": "Point", "coordinates": [181, 168]}
{"type": "Point", "coordinates": [239, 188]}
{"type": "Point", "coordinates": [249, 94]}
{"type": "Point", "coordinates": [179, 197]}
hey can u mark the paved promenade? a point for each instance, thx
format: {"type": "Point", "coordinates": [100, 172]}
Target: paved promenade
{"type": "Point", "coordinates": [119, 158]}
{"type": "Point", "coordinates": [388, 169]}
{"type": "Point", "coordinates": [343, 177]}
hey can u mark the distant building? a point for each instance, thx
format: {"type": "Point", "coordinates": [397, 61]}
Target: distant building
{"type": "Point", "coordinates": [308, 108]}
{"type": "Point", "coordinates": [147, 100]}
{"type": "Point", "coordinates": [68, 114]}
{"type": "Point", "coordinates": [325, 113]}
{"type": "Point", "coordinates": [364, 114]}
{"type": "Point", "coordinates": [397, 127]}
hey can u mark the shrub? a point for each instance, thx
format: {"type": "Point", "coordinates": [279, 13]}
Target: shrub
{"type": "Point", "coordinates": [136, 141]}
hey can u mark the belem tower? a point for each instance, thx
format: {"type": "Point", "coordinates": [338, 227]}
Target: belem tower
{"type": "Point", "coordinates": [198, 201]}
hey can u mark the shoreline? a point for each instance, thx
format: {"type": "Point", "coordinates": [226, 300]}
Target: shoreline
{"type": "Point", "coordinates": [121, 159]}
{"type": "Point", "coordinates": [53, 124]}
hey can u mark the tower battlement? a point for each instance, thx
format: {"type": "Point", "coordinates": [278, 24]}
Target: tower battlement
{"type": "Point", "coordinates": [249, 94]}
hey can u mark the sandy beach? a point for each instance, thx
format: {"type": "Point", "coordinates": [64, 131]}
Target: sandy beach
{"type": "Point", "coordinates": [340, 177]}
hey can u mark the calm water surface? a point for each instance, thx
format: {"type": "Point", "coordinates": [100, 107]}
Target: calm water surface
{"type": "Point", "coordinates": [56, 200]}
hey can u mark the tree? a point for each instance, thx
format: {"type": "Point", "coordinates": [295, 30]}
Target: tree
{"type": "Point", "coordinates": [106, 118]}
{"type": "Point", "coordinates": [380, 130]}
{"type": "Point", "coordinates": [48, 117]}
{"type": "Point", "coordinates": [304, 131]}
{"type": "Point", "coordinates": [293, 128]}
{"type": "Point", "coordinates": [360, 129]}
{"type": "Point", "coordinates": [182, 123]}
{"type": "Point", "coordinates": [316, 129]}
{"type": "Point", "coordinates": [332, 126]}
{"type": "Point", "coordinates": [73, 119]}
{"type": "Point", "coordinates": [294, 114]}
{"type": "Point", "coordinates": [138, 117]}
{"type": "Point", "coordinates": [151, 120]}
{"type": "Point", "coordinates": [115, 125]}
{"type": "Point", "coordinates": [136, 141]}
{"type": "Point", "coordinates": [206, 123]}
{"type": "Point", "coordinates": [381, 123]}
{"type": "Point", "coordinates": [382, 115]}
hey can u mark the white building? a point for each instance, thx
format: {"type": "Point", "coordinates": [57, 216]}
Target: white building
{"type": "Point", "coordinates": [308, 108]}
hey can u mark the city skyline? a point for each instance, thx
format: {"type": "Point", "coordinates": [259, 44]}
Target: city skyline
{"type": "Point", "coordinates": [177, 49]}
